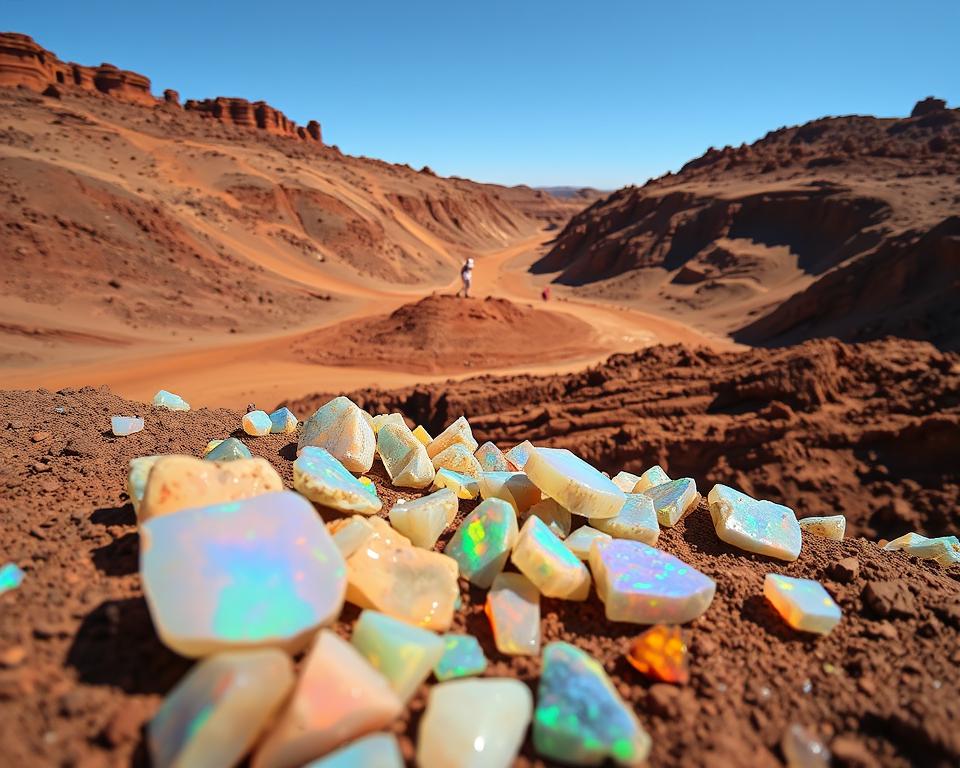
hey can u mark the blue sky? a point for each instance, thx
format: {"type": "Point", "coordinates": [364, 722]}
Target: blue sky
{"type": "Point", "coordinates": [586, 93]}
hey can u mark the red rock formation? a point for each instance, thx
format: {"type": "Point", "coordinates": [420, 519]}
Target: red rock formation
{"type": "Point", "coordinates": [23, 62]}
{"type": "Point", "coordinates": [170, 96]}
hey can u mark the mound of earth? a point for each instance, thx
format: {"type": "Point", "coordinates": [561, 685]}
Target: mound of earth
{"type": "Point", "coordinates": [868, 430]}
{"type": "Point", "coordinates": [441, 334]}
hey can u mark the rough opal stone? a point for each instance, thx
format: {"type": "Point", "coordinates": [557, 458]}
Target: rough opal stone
{"type": "Point", "coordinates": [482, 543]}
{"type": "Point", "coordinates": [643, 585]}
{"type": "Point", "coordinates": [803, 603]}
{"type": "Point", "coordinates": [170, 401]}
{"type": "Point", "coordinates": [519, 454]}
{"type": "Point", "coordinates": [573, 483]}
{"type": "Point", "coordinates": [660, 654]}
{"type": "Point", "coordinates": [338, 698]}
{"type": "Point", "coordinates": [556, 517]}
{"type": "Point", "coordinates": [341, 428]}
{"type": "Point", "coordinates": [580, 718]}
{"type": "Point", "coordinates": [512, 487]}
{"type": "Point", "coordinates": [581, 540]}
{"type": "Point", "coordinates": [492, 459]}
{"type": "Point", "coordinates": [553, 568]}
{"type": "Point", "coordinates": [422, 435]}
{"type": "Point", "coordinates": [180, 482]}
{"type": "Point", "coordinates": [256, 423]}
{"type": "Point", "coordinates": [215, 714]}
{"type": "Point", "coordinates": [673, 499]}
{"type": "Point", "coordinates": [137, 474]}
{"type": "Point", "coordinates": [230, 449]}
{"type": "Point", "coordinates": [323, 479]}
{"type": "Point", "coordinates": [458, 458]}
{"type": "Point", "coordinates": [252, 573]}
{"type": "Point", "coordinates": [462, 657]}
{"type": "Point", "coordinates": [464, 486]}
{"type": "Point", "coordinates": [636, 520]}
{"type": "Point", "coordinates": [404, 457]}
{"type": "Point", "coordinates": [803, 750]}
{"type": "Point", "coordinates": [349, 533]}
{"type": "Point", "coordinates": [11, 577]}
{"type": "Point", "coordinates": [651, 479]}
{"type": "Point", "coordinates": [754, 526]}
{"type": "Point", "coordinates": [474, 724]}
{"type": "Point", "coordinates": [382, 419]}
{"type": "Point", "coordinates": [379, 750]}
{"type": "Point", "coordinates": [625, 481]}
{"type": "Point", "coordinates": [944, 549]}
{"type": "Point", "coordinates": [832, 527]}
{"type": "Point", "coordinates": [402, 653]}
{"type": "Point", "coordinates": [283, 421]}
{"type": "Point", "coordinates": [423, 520]}
{"type": "Point", "coordinates": [126, 425]}
{"type": "Point", "coordinates": [458, 433]}
{"type": "Point", "coordinates": [513, 608]}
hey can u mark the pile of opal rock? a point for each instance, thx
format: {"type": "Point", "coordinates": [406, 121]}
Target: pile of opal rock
{"type": "Point", "coordinates": [245, 575]}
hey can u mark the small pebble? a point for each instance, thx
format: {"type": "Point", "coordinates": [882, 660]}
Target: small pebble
{"type": "Point", "coordinates": [125, 425]}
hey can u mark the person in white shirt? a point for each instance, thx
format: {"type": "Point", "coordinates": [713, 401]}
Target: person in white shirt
{"type": "Point", "coordinates": [466, 275]}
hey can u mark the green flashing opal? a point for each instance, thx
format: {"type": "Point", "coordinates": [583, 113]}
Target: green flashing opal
{"type": "Point", "coordinates": [462, 657]}
{"type": "Point", "coordinates": [319, 476]}
{"type": "Point", "coordinates": [483, 541]}
{"type": "Point", "coordinates": [754, 526]}
{"type": "Point", "coordinates": [672, 499]}
{"type": "Point", "coordinates": [230, 449]}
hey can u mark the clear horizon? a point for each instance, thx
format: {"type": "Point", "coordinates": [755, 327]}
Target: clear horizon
{"type": "Point", "coordinates": [545, 94]}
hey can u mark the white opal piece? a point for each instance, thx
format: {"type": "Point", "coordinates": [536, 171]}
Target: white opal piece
{"type": "Point", "coordinates": [513, 487]}
{"type": "Point", "coordinates": [126, 425]}
{"type": "Point", "coordinates": [319, 476]}
{"type": "Point", "coordinates": [803, 603]}
{"type": "Point", "coordinates": [625, 481]}
{"type": "Point", "coordinates": [556, 517]}
{"type": "Point", "coordinates": [404, 457]}
{"type": "Point", "coordinates": [651, 478]}
{"type": "Point", "coordinates": [492, 459]}
{"type": "Point", "coordinates": [513, 608]}
{"type": "Point", "coordinates": [673, 499]}
{"type": "Point", "coordinates": [541, 556]}
{"type": "Point", "coordinates": [458, 433]}
{"type": "Point", "coordinates": [573, 483]}
{"type": "Point", "coordinates": [283, 421]}
{"type": "Point", "coordinates": [170, 401]}
{"type": "Point", "coordinates": [581, 540]}
{"type": "Point", "coordinates": [944, 549]}
{"type": "Point", "coordinates": [349, 533]}
{"type": "Point", "coordinates": [379, 750]}
{"type": "Point", "coordinates": [382, 419]}
{"type": "Point", "coordinates": [137, 474]}
{"type": "Point", "coordinates": [341, 428]}
{"type": "Point", "coordinates": [256, 423]}
{"type": "Point", "coordinates": [423, 520]}
{"type": "Point", "coordinates": [754, 526]}
{"type": "Point", "coordinates": [464, 486]}
{"type": "Point", "coordinates": [831, 527]}
{"type": "Point", "coordinates": [458, 458]}
{"type": "Point", "coordinates": [519, 454]}
{"type": "Point", "coordinates": [636, 520]}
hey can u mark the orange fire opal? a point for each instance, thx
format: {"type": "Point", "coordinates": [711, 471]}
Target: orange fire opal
{"type": "Point", "coordinates": [660, 653]}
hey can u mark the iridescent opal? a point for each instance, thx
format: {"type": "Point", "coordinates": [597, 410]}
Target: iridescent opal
{"type": "Point", "coordinates": [492, 459]}
{"type": "Point", "coordinates": [519, 454]}
{"type": "Point", "coordinates": [462, 657]}
{"type": "Point", "coordinates": [338, 697]}
{"type": "Point", "coordinates": [180, 482]}
{"type": "Point", "coordinates": [555, 570]}
{"type": "Point", "coordinates": [625, 481]}
{"type": "Point", "coordinates": [379, 750]}
{"type": "Point", "coordinates": [382, 419]}
{"type": "Point", "coordinates": [402, 653]}
{"type": "Point", "coordinates": [342, 429]}
{"type": "Point", "coordinates": [11, 577]}
{"type": "Point", "coordinates": [458, 458]}
{"type": "Point", "coordinates": [474, 724]}
{"type": "Point", "coordinates": [230, 449]}
{"type": "Point", "coordinates": [573, 483]}
{"type": "Point", "coordinates": [283, 421]}
{"type": "Point", "coordinates": [423, 520]}
{"type": "Point", "coordinates": [643, 585]}
{"type": "Point", "coordinates": [256, 423]}
{"type": "Point", "coordinates": [660, 654]}
{"type": "Point", "coordinates": [944, 549]}
{"type": "Point", "coordinates": [125, 425]}
{"type": "Point", "coordinates": [580, 718]}
{"type": "Point", "coordinates": [832, 527]}
{"type": "Point", "coordinates": [513, 487]}
{"type": "Point", "coordinates": [803, 750]}
{"type": "Point", "coordinates": [637, 520]}
{"type": "Point", "coordinates": [755, 526]}
{"type": "Point", "coordinates": [464, 486]}
{"type": "Point", "coordinates": [483, 541]}
{"type": "Point", "coordinates": [651, 478]}
{"type": "Point", "coordinates": [673, 499]}
{"type": "Point", "coordinates": [369, 485]}
{"type": "Point", "coordinates": [581, 540]}
{"type": "Point", "coordinates": [513, 608]}
{"type": "Point", "coordinates": [323, 479]}
{"type": "Point", "coordinates": [170, 401]}
{"type": "Point", "coordinates": [404, 457]}
{"type": "Point", "coordinates": [257, 572]}
{"type": "Point", "coordinates": [458, 433]}
{"type": "Point", "coordinates": [215, 714]}
{"type": "Point", "coordinates": [137, 474]}
{"type": "Point", "coordinates": [803, 603]}
{"type": "Point", "coordinates": [422, 435]}
{"type": "Point", "coordinates": [556, 517]}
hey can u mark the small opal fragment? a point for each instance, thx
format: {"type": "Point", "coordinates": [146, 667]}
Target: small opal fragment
{"type": "Point", "coordinates": [422, 435]}
{"type": "Point", "coordinates": [483, 541]}
{"type": "Point", "coordinates": [402, 653]}
{"type": "Point", "coordinates": [754, 526]}
{"type": "Point", "coordinates": [673, 499]}
{"type": "Point", "coordinates": [11, 577]}
{"type": "Point", "coordinates": [349, 533]}
{"type": "Point", "coordinates": [474, 724]}
{"type": "Point", "coordinates": [210, 446]}
{"type": "Point", "coordinates": [625, 481]}
{"type": "Point", "coordinates": [556, 517]}
{"type": "Point", "coordinates": [458, 433]}
{"type": "Point", "coordinates": [382, 419]}
{"type": "Point", "coordinates": [660, 654]}
{"type": "Point", "coordinates": [491, 458]}
{"type": "Point", "coordinates": [379, 750]}
{"type": "Point", "coordinates": [458, 458]}
{"type": "Point", "coordinates": [404, 457]}
{"type": "Point", "coordinates": [283, 421]}
{"type": "Point", "coordinates": [369, 485]}
{"type": "Point", "coordinates": [256, 423]}
{"type": "Point", "coordinates": [643, 585]}
{"type": "Point", "coordinates": [243, 574]}
{"type": "Point", "coordinates": [513, 608]}
{"type": "Point", "coordinates": [323, 479]}
{"type": "Point", "coordinates": [423, 520]}
{"type": "Point", "coordinates": [215, 714]}
{"type": "Point", "coordinates": [832, 527]}
{"type": "Point", "coordinates": [513, 487]}
{"type": "Point", "coordinates": [803, 603]}
{"type": "Point", "coordinates": [802, 750]}
{"type": "Point", "coordinates": [462, 657]}
{"type": "Point", "coordinates": [637, 520]}
{"type": "Point", "coordinates": [338, 697]}
{"type": "Point", "coordinates": [125, 425]}
{"type": "Point", "coordinates": [580, 541]}
{"type": "Point", "coordinates": [170, 401]}
{"type": "Point", "coordinates": [555, 570]}
{"type": "Point", "coordinates": [180, 482]}
{"type": "Point", "coordinates": [651, 478]}
{"type": "Point", "coordinates": [573, 483]}
{"type": "Point", "coordinates": [230, 449]}
{"type": "Point", "coordinates": [341, 428]}
{"type": "Point", "coordinates": [519, 454]}
{"type": "Point", "coordinates": [944, 549]}
{"type": "Point", "coordinates": [464, 486]}
{"type": "Point", "coordinates": [137, 476]}
{"type": "Point", "coordinates": [580, 718]}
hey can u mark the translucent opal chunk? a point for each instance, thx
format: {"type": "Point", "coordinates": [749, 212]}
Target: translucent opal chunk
{"type": "Point", "coordinates": [180, 482]}
{"type": "Point", "coordinates": [581, 540]}
{"type": "Point", "coordinates": [256, 423]}
{"type": "Point", "coordinates": [673, 499]}
{"type": "Point", "coordinates": [637, 520]}
{"type": "Point", "coordinates": [404, 457]}
{"type": "Point", "coordinates": [474, 724]}
{"type": "Point", "coordinates": [643, 585]}
{"type": "Point", "coordinates": [283, 421]}
{"type": "Point", "coordinates": [402, 653]}
{"type": "Point", "coordinates": [230, 449]}
{"type": "Point", "coordinates": [625, 481]}
{"type": "Point", "coordinates": [580, 718]}
{"type": "Point", "coordinates": [458, 458]}
{"type": "Point", "coordinates": [553, 568]}
{"type": "Point", "coordinates": [803, 603]}
{"type": "Point", "coordinates": [170, 401]}
{"type": "Point", "coordinates": [660, 654]}
{"type": "Point", "coordinates": [458, 433]}
{"type": "Point", "coordinates": [243, 574]}
{"type": "Point", "coordinates": [483, 541]}
{"type": "Point", "coordinates": [462, 657]}
{"type": "Point", "coordinates": [211, 444]}
{"type": "Point", "coordinates": [125, 425]}
{"type": "Point", "coordinates": [379, 750]}
{"type": "Point", "coordinates": [513, 487]}
{"type": "Point", "coordinates": [754, 526]}
{"type": "Point", "coordinates": [492, 459]}
{"type": "Point", "coordinates": [464, 486]}
{"type": "Point", "coordinates": [422, 435]}
{"type": "Point", "coordinates": [137, 476]}
{"type": "Point", "coordinates": [349, 533]}
{"type": "Point", "coordinates": [556, 517]}
{"type": "Point", "coordinates": [338, 697]}
{"type": "Point", "coordinates": [382, 419]}
{"type": "Point", "coordinates": [944, 549]}
{"type": "Point", "coordinates": [803, 750]}
{"type": "Point", "coordinates": [573, 483]}
{"type": "Point", "coordinates": [513, 608]}
{"type": "Point", "coordinates": [215, 714]}
{"type": "Point", "coordinates": [423, 520]}
{"type": "Point", "coordinates": [651, 478]}
{"type": "Point", "coordinates": [341, 428]}
{"type": "Point", "coordinates": [519, 454]}
{"type": "Point", "coordinates": [11, 577]}
{"type": "Point", "coordinates": [832, 527]}
{"type": "Point", "coordinates": [323, 479]}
